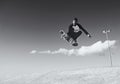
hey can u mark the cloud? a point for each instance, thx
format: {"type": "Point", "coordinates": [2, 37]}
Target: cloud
{"type": "Point", "coordinates": [97, 47]}
{"type": "Point", "coordinates": [33, 51]}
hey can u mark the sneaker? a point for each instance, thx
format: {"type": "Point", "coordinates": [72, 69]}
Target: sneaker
{"type": "Point", "coordinates": [67, 38]}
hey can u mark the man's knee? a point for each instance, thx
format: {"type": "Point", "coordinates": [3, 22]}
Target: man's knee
{"type": "Point", "coordinates": [80, 32]}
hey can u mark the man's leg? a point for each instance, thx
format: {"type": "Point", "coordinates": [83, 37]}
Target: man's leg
{"type": "Point", "coordinates": [76, 35]}
{"type": "Point", "coordinates": [68, 37]}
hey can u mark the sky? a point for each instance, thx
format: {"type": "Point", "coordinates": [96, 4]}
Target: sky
{"type": "Point", "coordinates": [27, 25]}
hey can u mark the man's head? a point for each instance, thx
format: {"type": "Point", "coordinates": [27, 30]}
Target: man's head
{"type": "Point", "coordinates": [75, 20]}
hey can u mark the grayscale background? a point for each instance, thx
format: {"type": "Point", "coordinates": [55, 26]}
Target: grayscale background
{"type": "Point", "coordinates": [26, 25]}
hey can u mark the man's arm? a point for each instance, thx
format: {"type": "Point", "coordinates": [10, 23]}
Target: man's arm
{"type": "Point", "coordinates": [70, 29]}
{"type": "Point", "coordinates": [84, 30]}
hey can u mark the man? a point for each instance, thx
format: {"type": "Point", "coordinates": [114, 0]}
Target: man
{"type": "Point", "coordinates": [75, 30]}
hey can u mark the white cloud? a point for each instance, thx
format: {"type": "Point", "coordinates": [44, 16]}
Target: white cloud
{"type": "Point", "coordinates": [45, 52]}
{"type": "Point", "coordinates": [97, 47]}
{"type": "Point", "coordinates": [33, 51]}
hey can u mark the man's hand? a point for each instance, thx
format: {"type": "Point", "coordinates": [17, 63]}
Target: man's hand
{"type": "Point", "coordinates": [89, 35]}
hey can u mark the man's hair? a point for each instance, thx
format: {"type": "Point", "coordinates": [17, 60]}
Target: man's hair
{"type": "Point", "coordinates": [76, 19]}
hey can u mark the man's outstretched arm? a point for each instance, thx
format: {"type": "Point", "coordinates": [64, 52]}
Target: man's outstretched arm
{"type": "Point", "coordinates": [85, 31]}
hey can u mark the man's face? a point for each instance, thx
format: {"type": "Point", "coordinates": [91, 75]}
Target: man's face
{"type": "Point", "coordinates": [74, 22]}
